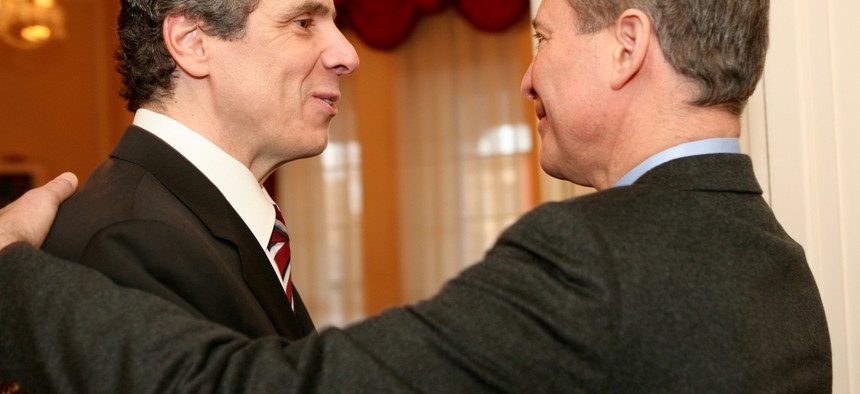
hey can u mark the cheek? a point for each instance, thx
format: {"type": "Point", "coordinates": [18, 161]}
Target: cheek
{"type": "Point", "coordinates": [550, 65]}
{"type": "Point", "coordinates": [562, 108]}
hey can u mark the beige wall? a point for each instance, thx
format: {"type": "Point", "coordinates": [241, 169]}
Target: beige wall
{"type": "Point", "coordinates": [809, 142]}
{"type": "Point", "coordinates": [58, 104]}
{"type": "Point", "coordinates": [374, 116]}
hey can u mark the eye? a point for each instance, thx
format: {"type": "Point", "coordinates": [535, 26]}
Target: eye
{"type": "Point", "coordinates": [305, 23]}
{"type": "Point", "coordinates": [539, 37]}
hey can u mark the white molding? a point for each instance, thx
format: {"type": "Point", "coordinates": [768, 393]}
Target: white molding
{"type": "Point", "coordinates": [808, 96]}
{"type": "Point", "coordinates": [846, 113]}
{"type": "Point", "coordinates": [754, 137]}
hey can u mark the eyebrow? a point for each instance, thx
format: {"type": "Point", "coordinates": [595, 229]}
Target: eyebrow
{"type": "Point", "coordinates": [313, 7]}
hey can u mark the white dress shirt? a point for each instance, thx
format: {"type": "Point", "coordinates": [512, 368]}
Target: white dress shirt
{"type": "Point", "coordinates": [235, 181]}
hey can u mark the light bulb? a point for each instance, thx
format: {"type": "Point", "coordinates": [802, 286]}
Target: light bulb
{"type": "Point", "coordinates": [36, 33]}
{"type": "Point", "coordinates": [44, 3]}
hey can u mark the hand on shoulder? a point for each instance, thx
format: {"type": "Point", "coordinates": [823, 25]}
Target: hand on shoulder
{"type": "Point", "coordinates": [29, 218]}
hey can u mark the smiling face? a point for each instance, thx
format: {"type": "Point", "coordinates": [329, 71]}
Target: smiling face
{"type": "Point", "coordinates": [569, 81]}
{"type": "Point", "coordinates": [274, 89]}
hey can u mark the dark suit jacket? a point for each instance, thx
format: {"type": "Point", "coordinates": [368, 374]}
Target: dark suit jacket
{"type": "Point", "coordinates": [150, 220]}
{"type": "Point", "coordinates": [681, 283]}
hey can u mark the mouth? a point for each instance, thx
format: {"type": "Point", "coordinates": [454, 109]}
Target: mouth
{"type": "Point", "coordinates": [329, 99]}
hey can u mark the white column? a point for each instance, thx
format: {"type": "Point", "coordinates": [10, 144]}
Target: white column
{"type": "Point", "coordinates": [811, 112]}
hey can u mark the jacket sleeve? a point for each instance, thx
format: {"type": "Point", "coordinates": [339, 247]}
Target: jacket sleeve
{"type": "Point", "coordinates": [536, 315]}
{"type": "Point", "coordinates": [519, 321]}
{"type": "Point", "coordinates": [67, 328]}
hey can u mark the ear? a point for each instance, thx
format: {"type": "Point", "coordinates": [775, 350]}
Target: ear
{"type": "Point", "coordinates": [186, 44]}
{"type": "Point", "coordinates": [632, 33]}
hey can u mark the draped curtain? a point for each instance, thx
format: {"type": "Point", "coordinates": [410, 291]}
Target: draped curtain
{"type": "Point", "coordinates": [385, 24]}
{"type": "Point", "coordinates": [465, 146]}
{"type": "Point", "coordinates": [321, 199]}
{"type": "Point", "coordinates": [465, 165]}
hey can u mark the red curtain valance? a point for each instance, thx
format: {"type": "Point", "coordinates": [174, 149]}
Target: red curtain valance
{"type": "Point", "coordinates": [384, 24]}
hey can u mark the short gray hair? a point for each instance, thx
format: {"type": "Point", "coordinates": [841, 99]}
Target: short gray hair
{"type": "Point", "coordinates": [719, 44]}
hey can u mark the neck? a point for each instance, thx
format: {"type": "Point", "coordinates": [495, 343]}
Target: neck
{"type": "Point", "coordinates": [646, 133]}
{"type": "Point", "coordinates": [196, 119]}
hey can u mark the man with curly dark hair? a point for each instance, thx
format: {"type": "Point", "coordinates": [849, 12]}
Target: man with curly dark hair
{"type": "Point", "coordinates": [675, 277]}
{"type": "Point", "coordinates": [224, 92]}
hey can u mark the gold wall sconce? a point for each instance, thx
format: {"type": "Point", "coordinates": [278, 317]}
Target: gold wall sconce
{"type": "Point", "coordinates": [29, 24]}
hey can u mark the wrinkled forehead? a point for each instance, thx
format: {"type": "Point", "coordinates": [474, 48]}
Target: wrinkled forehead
{"type": "Point", "coordinates": [554, 14]}
{"type": "Point", "coordinates": [314, 7]}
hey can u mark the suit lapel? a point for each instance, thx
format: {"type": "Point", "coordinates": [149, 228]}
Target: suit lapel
{"type": "Point", "coordinates": [190, 186]}
{"type": "Point", "coordinates": [263, 282]}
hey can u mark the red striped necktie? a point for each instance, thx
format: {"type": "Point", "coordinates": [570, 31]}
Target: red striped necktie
{"type": "Point", "coordinates": [279, 246]}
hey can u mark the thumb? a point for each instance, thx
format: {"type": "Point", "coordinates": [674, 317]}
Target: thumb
{"type": "Point", "coordinates": [59, 188]}
{"type": "Point", "coordinates": [29, 218]}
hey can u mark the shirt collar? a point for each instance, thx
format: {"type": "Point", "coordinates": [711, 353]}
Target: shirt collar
{"type": "Point", "coordinates": [695, 148]}
{"type": "Point", "coordinates": [232, 178]}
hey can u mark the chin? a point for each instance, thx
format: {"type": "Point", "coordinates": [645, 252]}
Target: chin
{"type": "Point", "coordinates": [551, 170]}
{"type": "Point", "coordinates": [317, 148]}
{"type": "Point", "coordinates": [317, 152]}
{"type": "Point", "coordinates": [554, 171]}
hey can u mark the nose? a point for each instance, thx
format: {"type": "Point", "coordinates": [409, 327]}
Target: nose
{"type": "Point", "coordinates": [340, 55]}
{"type": "Point", "coordinates": [526, 86]}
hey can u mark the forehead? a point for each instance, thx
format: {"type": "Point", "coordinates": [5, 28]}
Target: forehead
{"type": "Point", "coordinates": [316, 7]}
{"type": "Point", "coordinates": [554, 14]}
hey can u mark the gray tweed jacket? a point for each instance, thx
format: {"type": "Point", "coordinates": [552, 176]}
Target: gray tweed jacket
{"type": "Point", "coordinates": [681, 283]}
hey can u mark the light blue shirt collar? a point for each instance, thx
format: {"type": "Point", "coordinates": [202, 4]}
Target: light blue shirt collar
{"type": "Point", "coordinates": [695, 148]}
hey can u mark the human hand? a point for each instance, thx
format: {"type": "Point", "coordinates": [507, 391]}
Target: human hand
{"type": "Point", "coordinates": [29, 218]}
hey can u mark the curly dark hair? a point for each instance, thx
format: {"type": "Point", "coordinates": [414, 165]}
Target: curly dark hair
{"type": "Point", "coordinates": [146, 67]}
{"type": "Point", "coordinates": [719, 44]}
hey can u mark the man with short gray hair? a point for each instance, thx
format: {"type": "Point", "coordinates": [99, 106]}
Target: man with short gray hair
{"type": "Point", "coordinates": [675, 277]}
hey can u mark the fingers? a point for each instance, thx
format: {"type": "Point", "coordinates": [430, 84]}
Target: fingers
{"type": "Point", "coordinates": [60, 188]}
{"type": "Point", "coordinates": [29, 218]}
{"type": "Point", "coordinates": [47, 198]}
